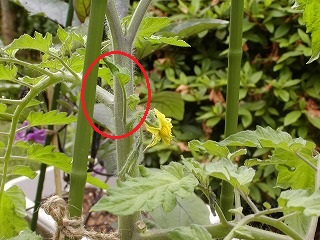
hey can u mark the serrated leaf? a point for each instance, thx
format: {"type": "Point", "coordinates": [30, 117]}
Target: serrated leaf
{"type": "Point", "coordinates": [47, 155]}
{"type": "Point", "coordinates": [169, 103]}
{"type": "Point", "coordinates": [198, 170]}
{"type": "Point", "coordinates": [82, 8]}
{"type": "Point", "coordinates": [167, 40]}
{"type": "Point", "coordinates": [22, 170]}
{"type": "Point", "coordinates": [294, 172]}
{"type": "Point", "coordinates": [55, 10]}
{"type": "Point", "coordinates": [183, 214]}
{"type": "Point", "coordinates": [261, 137]}
{"type": "Point", "coordinates": [194, 232]}
{"type": "Point", "coordinates": [238, 177]}
{"type": "Point", "coordinates": [150, 25]}
{"type": "Point", "coordinates": [26, 234]}
{"type": "Point", "coordinates": [8, 72]}
{"type": "Point", "coordinates": [311, 18]}
{"type": "Point", "coordinates": [50, 118]}
{"type": "Point", "coordinates": [12, 212]}
{"type": "Point", "coordinates": [237, 153]}
{"type": "Point", "coordinates": [33, 102]}
{"type": "Point", "coordinates": [292, 117]}
{"type": "Point", "coordinates": [69, 41]}
{"type": "Point", "coordinates": [301, 201]}
{"type": "Point", "coordinates": [39, 43]}
{"type": "Point", "coordinates": [210, 147]}
{"type": "Point", "coordinates": [31, 80]}
{"type": "Point", "coordinates": [145, 193]}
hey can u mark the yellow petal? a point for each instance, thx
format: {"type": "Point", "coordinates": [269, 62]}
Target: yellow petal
{"type": "Point", "coordinates": [152, 130]}
{"type": "Point", "coordinates": [154, 141]}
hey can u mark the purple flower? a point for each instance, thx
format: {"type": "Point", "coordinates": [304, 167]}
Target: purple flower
{"type": "Point", "coordinates": [31, 134]}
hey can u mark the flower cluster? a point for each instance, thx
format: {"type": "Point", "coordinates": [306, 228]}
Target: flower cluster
{"type": "Point", "coordinates": [31, 134]}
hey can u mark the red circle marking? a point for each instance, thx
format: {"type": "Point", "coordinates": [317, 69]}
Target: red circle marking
{"type": "Point", "coordinates": [84, 103]}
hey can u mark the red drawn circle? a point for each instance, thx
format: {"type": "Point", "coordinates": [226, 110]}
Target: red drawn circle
{"type": "Point", "coordinates": [96, 61]}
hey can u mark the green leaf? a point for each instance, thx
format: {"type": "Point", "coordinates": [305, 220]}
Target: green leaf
{"type": "Point", "coordinates": [263, 138]}
{"type": "Point", "coordinates": [23, 170]}
{"type": "Point", "coordinates": [146, 193]}
{"type": "Point", "coordinates": [39, 43]}
{"type": "Point", "coordinates": [301, 201]}
{"type": "Point", "coordinates": [82, 8]}
{"type": "Point", "coordinates": [3, 108]}
{"type": "Point", "coordinates": [27, 234]}
{"type": "Point", "coordinates": [133, 100]}
{"type": "Point", "coordinates": [194, 232]}
{"type": "Point", "coordinates": [124, 78]}
{"type": "Point", "coordinates": [314, 119]}
{"type": "Point", "coordinates": [169, 103]}
{"type": "Point", "coordinates": [55, 10]}
{"type": "Point", "coordinates": [238, 177]}
{"type": "Point", "coordinates": [311, 18]}
{"type": "Point", "coordinates": [282, 30]}
{"type": "Point", "coordinates": [293, 172]}
{"type": "Point", "coordinates": [191, 27]}
{"type": "Point", "coordinates": [292, 117]}
{"type": "Point", "coordinates": [210, 147]}
{"type": "Point", "coordinates": [167, 40]}
{"type": "Point", "coordinates": [183, 214]}
{"type": "Point", "coordinates": [31, 80]}
{"type": "Point", "coordinates": [47, 155]}
{"type": "Point", "coordinates": [50, 118]}
{"type": "Point", "coordinates": [150, 25]}
{"type": "Point", "coordinates": [304, 37]}
{"type": "Point", "coordinates": [33, 102]}
{"type": "Point", "coordinates": [8, 72]}
{"type": "Point", "coordinates": [12, 212]}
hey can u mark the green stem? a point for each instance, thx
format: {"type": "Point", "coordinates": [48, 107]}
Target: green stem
{"type": "Point", "coordinates": [266, 220]}
{"type": "Point", "coordinates": [28, 65]}
{"type": "Point", "coordinates": [312, 228]}
{"type": "Point", "coordinates": [78, 174]}
{"type": "Point", "coordinates": [124, 146]}
{"type": "Point", "coordinates": [70, 14]}
{"type": "Point", "coordinates": [43, 167]}
{"type": "Point", "coordinates": [217, 231]}
{"type": "Point", "coordinates": [136, 20]}
{"type": "Point", "coordinates": [234, 65]}
{"type": "Point", "coordinates": [10, 101]}
{"type": "Point", "coordinates": [39, 87]}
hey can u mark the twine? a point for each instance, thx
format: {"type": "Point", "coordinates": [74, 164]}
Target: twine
{"type": "Point", "coordinates": [72, 228]}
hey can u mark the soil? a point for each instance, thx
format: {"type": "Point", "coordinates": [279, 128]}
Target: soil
{"type": "Point", "coordinates": [97, 221]}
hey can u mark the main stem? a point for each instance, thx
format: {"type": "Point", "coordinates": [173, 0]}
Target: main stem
{"type": "Point", "coordinates": [234, 65]}
{"type": "Point", "coordinates": [124, 42]}
{"type": "Point", "coordinates": [84, 130]}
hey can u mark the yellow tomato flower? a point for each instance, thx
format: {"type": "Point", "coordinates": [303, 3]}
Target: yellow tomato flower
{"type": "Point", "coordinates": [162, 132]}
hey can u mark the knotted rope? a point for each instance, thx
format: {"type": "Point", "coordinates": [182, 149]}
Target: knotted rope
{"type": "Point", "coordinates": [72, 228]}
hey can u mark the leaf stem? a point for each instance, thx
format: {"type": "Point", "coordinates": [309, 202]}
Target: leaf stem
{"type": "Point", "coordinates": [136, 20]}
{"type": "Point", "coordinates": [28, 65]}
{"type": "Point", "coordinates": [66, 66]}
{"type": "Point", "coordinates": [306, 161]}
